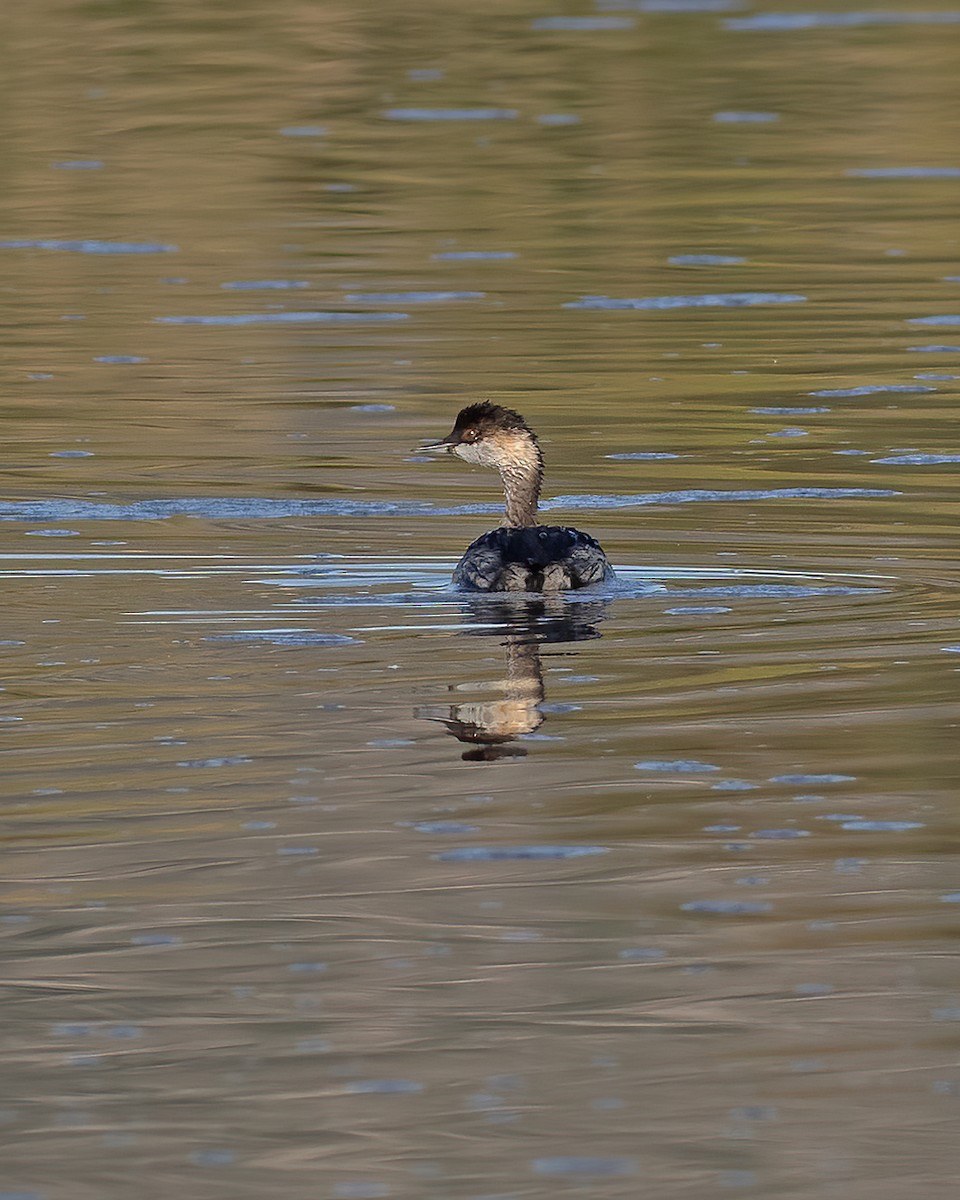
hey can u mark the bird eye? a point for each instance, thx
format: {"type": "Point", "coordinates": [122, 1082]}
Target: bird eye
{"type": "Point", "coordinates": [469, 435]}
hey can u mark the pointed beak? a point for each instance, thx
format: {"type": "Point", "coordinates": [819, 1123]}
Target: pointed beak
{"type": "Point", "coordinates": [444, 446]}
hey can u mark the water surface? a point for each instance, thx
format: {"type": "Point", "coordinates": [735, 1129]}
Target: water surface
{"type": "Point", "coordinates": [325, 880]}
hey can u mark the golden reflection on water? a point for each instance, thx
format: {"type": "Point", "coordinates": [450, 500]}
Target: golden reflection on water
{"type": "Point", "coordinates": [674, 903]}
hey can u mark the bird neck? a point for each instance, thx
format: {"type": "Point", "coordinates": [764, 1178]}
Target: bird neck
{"type": "Point", "coordinates": [521, 488]}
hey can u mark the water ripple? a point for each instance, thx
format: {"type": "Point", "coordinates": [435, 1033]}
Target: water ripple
{"type": "Point", "coordinates": [88, 246]}
{"type": "Point", "coordinates": [411, 297]}
{"type": "Point", "coordinates": [580, 24]}
{"type": "Point", "coordinates": [789, 22]}
{"type": "Point", "coordinates": [513, 853]}
{"type": "Point", "coordinates": [268, 508]}
{"type": "Point", "coordinates": [917, 460]}
{"type": "Point", "coordinates": [709, 300]}
{"type": "Point", "coordinates": [905, 173]}
{"type": "Point", "coordinates": [283, 318]}
{"type": "Point", "coordinates": [705, 260]}
{"type": "Point", "coordinates": [450, 114]}
{"type": "Point", "coordinates": [873, 389]}
{"type": "Point", "coordinates": [671, 6]}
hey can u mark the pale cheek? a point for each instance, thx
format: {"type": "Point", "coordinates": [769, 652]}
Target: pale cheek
{"type": "Point", "coordinates": [469, 453]}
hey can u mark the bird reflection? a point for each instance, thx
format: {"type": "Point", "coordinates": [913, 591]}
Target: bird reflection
{"type": "Point", "coordinates": [489, 728]}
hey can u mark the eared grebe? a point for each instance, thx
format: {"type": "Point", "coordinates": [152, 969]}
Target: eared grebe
{"type": "Point", "coordinates": [520, 556]}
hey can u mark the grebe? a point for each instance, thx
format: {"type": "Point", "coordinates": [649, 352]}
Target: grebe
{"type": "Point", "coordinates": [520, 556]}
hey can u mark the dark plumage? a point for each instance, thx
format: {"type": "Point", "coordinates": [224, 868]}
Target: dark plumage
{"type": "Point", "coordinates": [522, 555]}
{"type": "Point", "coordinates": [537, 558]}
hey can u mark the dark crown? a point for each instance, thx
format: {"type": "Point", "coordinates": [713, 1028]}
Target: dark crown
{"type": "Point", "coordinates": [487, 418]}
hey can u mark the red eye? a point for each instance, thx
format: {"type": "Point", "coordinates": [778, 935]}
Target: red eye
{"type": "Point", "coordinates": [470, 435]}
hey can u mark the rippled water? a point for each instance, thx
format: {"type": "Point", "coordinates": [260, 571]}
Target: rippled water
{"type": "Point", "coordinates": [323, 879]}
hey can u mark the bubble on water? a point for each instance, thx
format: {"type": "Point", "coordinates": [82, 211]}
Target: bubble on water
{"type": "Point", "coordinates": [156, 939]}
{"type": "Point", "coordinates": [934, 349]}
{"type": "Point", "coordinates": [373, 408]}
{"type": "Point", "coordinates": [792, 432]}
{"type": "Point", "coordinates": [645, 455]}
{"type": "Point", "coordinates": [642, 954]}
{"type": "Point", "coordinates": [120, 359]}
{"type": "Point", "coordinates": [52, 533]}
{"type": "Point", "coordinates": [79, 164]}
{"type": "Point", "coordinates": [360, 1189]}
{"type": "Point", "coordinates": [733, 785]}
{"type": "Point", "coordinates": [303, 131]}
{"type": "Point", "coordinates": [813, 989]}
{"type": "Point", "coordinates": [945, 319]}
{"type": "Point", "coordinates": [71, 454]}
{"type": "Point", "coordinates": [708, 300]}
